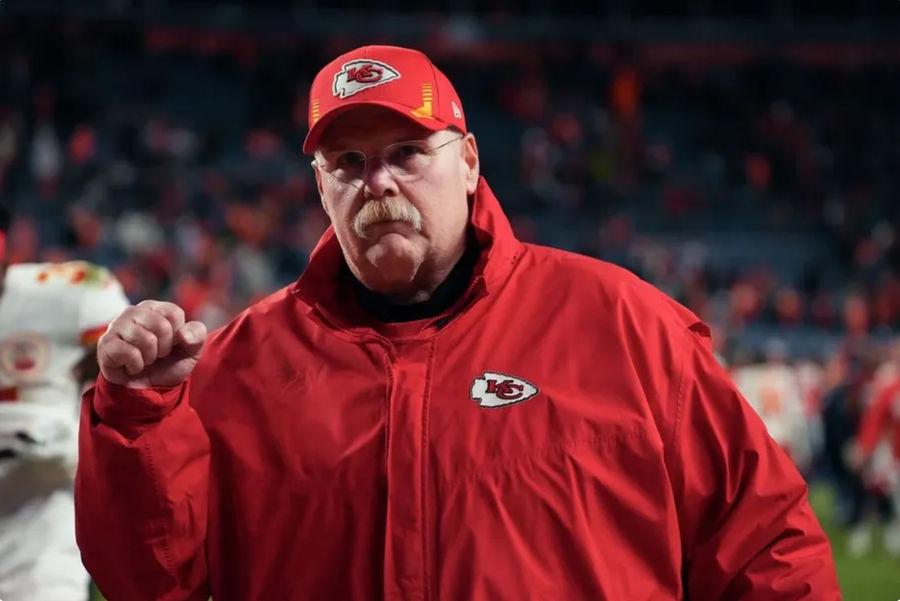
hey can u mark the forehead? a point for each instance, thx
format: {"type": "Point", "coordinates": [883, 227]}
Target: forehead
{"type": "Point", "coordinates": [370, 126]}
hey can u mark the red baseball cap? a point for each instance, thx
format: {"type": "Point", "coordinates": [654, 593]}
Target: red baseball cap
{"type": "Point", "coordinates": [399, 79]}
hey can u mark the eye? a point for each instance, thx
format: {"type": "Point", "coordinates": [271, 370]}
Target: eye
{"type": "Point", "coordinates": [406, 153]}
{"type": "Point", "coordinates": [350, 159]}
{"type": "Point", "coordinates": [408, 150]}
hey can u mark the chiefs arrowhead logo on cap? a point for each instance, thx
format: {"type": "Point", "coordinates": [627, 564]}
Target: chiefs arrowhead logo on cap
{"type": "Point", "coordinates": [362, 74]}
{"type": "Point", "coordinates": [496, 390]}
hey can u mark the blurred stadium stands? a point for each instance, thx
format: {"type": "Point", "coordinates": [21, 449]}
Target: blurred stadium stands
{"type": "Point", "coordinates": [754, 180]}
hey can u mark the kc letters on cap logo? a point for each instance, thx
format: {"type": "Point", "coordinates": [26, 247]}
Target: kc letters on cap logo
{"type": "Point", "coordinates": [362, 74]}
{"type": "Point", "coordinates": [496, 390]}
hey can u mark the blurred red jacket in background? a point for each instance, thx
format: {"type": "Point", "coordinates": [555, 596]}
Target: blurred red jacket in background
{"type": "Point", "coordinates": [881, 421]}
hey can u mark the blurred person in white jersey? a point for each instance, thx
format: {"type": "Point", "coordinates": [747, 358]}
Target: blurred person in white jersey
{"type": "Point", "coordinates": [51, 316]}
{"type": "Point", "coordinates": [774, 390]}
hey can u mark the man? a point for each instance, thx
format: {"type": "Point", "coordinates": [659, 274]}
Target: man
{"type": "Point", "coordinates": [434, 410]}
{"type": "Point", "coordinates": [51, 316]}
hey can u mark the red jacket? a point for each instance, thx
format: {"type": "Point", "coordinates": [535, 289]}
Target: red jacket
{"type": "Point", "coordinates": [881, 419]}
{"type": "Point", "coordinates": [562, 433]}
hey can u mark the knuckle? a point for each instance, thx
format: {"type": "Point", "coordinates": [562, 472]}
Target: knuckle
{"type": "Point", "coordinates": [114, 329]}
{"type": "Point", "coordinates": [170, 311]}
{"type": "Point", "coordinates": [164, 324]}
{"type": "Point", "coordinates": [144, 340]}
{"type": "Point", "coordinates": [143, 336]}
{"type": "Point", "coordinates": [119, 354]}
{"type": "Point", "coordinates": [133, 355]}
{"type": "Point", "coordinates": [121, 314]}
{"type": "Point", "coordinates": [105, 338]}
{"type": "Point", "coordinates": [123, 317]}
{"type": "Point", "coordinates": [178, 313]}
{"type": "Point", "coordinates": [151, 320]}
{"type": "Point", "coordinates": [133, 335]}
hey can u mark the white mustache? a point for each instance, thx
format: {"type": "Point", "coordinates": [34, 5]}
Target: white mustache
{"type": "Point", "coordinates": [386, 209]}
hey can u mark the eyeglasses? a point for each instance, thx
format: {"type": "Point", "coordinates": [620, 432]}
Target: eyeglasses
{"type": "Point", "coordinates": [406, 161]}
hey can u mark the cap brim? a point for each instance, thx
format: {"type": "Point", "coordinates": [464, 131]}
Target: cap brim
{"type": "Point", "coordinates": [315, 132]}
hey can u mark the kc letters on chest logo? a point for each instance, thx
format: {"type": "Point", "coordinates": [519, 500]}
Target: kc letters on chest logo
{"type": "Point", "coordinates": [494, 389]}
{"type": "Point", "coordinates": [360, 75]}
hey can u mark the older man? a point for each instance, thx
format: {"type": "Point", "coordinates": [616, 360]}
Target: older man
{"type": "Point", "coordinates": [434, 410]}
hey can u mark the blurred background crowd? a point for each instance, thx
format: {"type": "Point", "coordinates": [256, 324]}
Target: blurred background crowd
{"type": "Point", "coordinates": [745, 159]}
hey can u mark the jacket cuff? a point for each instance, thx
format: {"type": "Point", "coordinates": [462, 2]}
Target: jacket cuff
{"type": "Point", "coordinates": [124, 408]}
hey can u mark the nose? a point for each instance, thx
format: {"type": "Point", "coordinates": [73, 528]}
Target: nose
{"type": "Point", "coordinates": [379, 181]}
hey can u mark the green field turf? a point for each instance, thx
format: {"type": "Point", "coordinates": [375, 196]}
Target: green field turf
{"type": "Point", "coordinates": [875, 577]}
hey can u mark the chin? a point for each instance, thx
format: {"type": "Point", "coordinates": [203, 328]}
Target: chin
{"type": "Point", "coordinates": [395, 259]}
{"type": "Point", "coordinates": [393, 248]}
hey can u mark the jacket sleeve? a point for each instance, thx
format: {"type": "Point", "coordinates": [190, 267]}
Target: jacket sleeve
{"type": "Point", "coordinates": [748, 532]}
{"type": "Point", "coordinates": [141, 494]}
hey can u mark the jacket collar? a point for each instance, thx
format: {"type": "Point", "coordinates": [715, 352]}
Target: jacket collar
{"type": "Point", "coordinates": [319, 285]}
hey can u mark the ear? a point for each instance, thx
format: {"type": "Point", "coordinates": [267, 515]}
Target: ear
{"type": "Point", "coordinates": [470, 160]}
{"type": "Point", "coordinates": [318, 173]}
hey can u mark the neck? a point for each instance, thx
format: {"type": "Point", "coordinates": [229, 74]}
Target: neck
{"type": "Point", "coordinates": [427, 281]}
{"type": "Point", "coordinates": [409, 284]}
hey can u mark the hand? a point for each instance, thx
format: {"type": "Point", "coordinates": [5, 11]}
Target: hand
{"type": "Point", "coordinates": [150, 345]}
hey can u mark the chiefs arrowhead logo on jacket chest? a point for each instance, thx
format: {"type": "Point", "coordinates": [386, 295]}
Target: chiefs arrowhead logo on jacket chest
{"type": "Point", "coordinates": [494, 389]}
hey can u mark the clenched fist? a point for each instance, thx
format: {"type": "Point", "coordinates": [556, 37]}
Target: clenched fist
{"type": "Point", "coordinates": [150, 345]}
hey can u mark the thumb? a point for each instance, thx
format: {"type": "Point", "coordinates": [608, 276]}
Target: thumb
{"type": "Point", "coordinates": [191, 337]}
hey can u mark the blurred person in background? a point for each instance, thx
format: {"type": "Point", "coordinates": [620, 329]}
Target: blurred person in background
{"type": "Point", "coordinates": [773, 390]}
{"type": "Point", "coordinates": [51, 316]}
{"type": "Point", "coordinates": [843, 405]}
{"type": "Point", "coordinates": [876, 453]}
{"type": "Point", "coordinates": [434, 409]}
